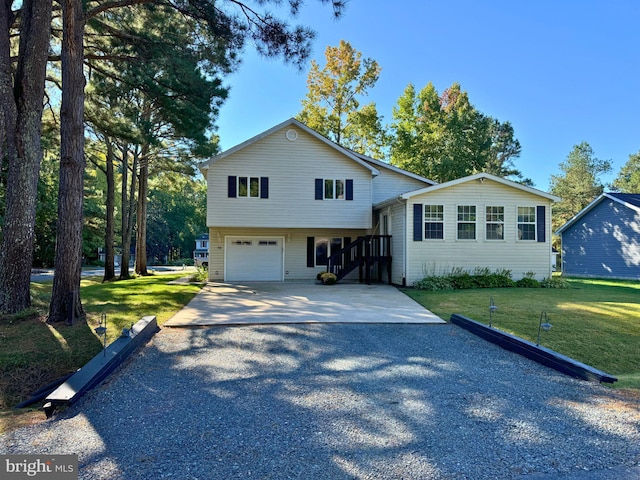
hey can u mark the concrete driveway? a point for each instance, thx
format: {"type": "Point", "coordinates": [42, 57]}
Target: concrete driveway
{"type": "Point", "coordinates": [304, 302]}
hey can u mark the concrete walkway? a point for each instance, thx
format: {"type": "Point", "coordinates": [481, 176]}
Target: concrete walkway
{"type": "Point", "coordinates": [305, 302]}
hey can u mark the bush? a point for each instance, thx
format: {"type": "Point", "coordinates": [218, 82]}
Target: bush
{"type": "Point", "coordinates": [528, 282]}
{"type": "Point", "coordinates": [555, 283]}
{"type": "Point", "coordinates": [459, 279]}
{"type": "Point", "coordinates": [328, 278]}
{"type": "Point", "coordinates": [202, 275]}
{"type": "Point", "coordinates": [434, 283]}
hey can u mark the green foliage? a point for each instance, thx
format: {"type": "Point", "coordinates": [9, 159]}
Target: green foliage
{"type": "Point", "coordinates": [444, 137]}
{"type": "Point", "coordinates": [434, 283]}
{"type": "Point", "coordinates": [578, 184]}
{"type": "Point", "coordinates": [555, 282]}
{"type": "Point", "coordinates": [527, 282]}
{"type": "Point", "coordinates": [332, 104]}
{"type": "Point", "coordinates": [459, 279]}
{"type": "Point", "coordinates": [628, 179]}
{"type": "Point", "coordinates": [202, 275]}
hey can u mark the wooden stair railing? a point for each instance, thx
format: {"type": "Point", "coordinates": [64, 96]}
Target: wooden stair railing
{"type": "Point", "coordinates": [364, 253]}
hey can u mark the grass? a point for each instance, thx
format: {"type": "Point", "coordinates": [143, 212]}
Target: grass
{"type": "Point", "coordinates": [596, 321]}
{"type": "Point", "coordinates": [34, 353]}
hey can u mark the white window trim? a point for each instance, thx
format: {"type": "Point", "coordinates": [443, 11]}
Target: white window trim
{"type": "Point", "coordinates": [458, 222]}
{"type": "Point", "coordinates": [248, 177]}
{"type": "Point", "coordinates": [334, 180]}
{"type": "Point", "coordinates": [487, 222]}
{"type": "Point", "coordinates": [424, 222]}
{"type": "Point", "coordinates": [329, 252]}
{"type": "Point", "coordinates": [534, 223]}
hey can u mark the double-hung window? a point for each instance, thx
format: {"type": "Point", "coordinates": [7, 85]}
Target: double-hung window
{"type": "Point", "coordinates": [527, 223]}
{"type": "Point", "coordinates": [433, 222]}
{"type": "Point", "coordinates": [495, 223]}
{"type": "Point", "coordinates": [466, 222]}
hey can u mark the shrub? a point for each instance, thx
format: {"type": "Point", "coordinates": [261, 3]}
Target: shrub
{"type": "Point", "coordinates": [202, 275]}
{"type": "Point", "coordinates": [464, 281]}
{"type": "Point", "coordinates": [555, 283]}
{"type": "Point", "coordinates": [434, 283]}
{"type": "Point", "coordinates": [319, 275]}
{"type": "Point", "coordinates": [528, 282]}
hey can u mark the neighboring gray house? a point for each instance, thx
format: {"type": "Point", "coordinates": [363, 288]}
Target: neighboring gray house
{"type": "Point", "coordinates": [603, 240]}
{"type": "Point", "coordinates": [288, 202]}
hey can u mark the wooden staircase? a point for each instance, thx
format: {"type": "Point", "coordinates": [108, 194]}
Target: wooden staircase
{"type": "Point", "coordinates": [364, 253]}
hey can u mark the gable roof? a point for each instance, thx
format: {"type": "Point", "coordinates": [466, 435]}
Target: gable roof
{"type": "Point", "coordinates": [288, 123]}
{"type": "Point", "coordinates": [481, 177]}
{"type": "Point", "coordinates": [629, 200]}
{"type": "Point", "coordinates": [393, 168]}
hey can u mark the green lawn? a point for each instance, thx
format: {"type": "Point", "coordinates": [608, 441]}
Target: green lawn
{"type": "Point", "coordinates": [596, 321]}
{"type": "Point", "coordinates": [33, 353]}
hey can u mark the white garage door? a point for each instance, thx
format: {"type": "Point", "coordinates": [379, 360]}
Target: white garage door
{"type": "Point", "coordinates": [254, 258]}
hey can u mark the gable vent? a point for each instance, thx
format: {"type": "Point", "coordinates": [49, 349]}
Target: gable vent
{"type": "Point", "coordinates": [291, 135]}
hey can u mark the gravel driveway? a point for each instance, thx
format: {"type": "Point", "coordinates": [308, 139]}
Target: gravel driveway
{"type": "Point", "coordinates": [339, 401]}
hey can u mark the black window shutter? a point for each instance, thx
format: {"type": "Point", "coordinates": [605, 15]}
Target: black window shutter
{"type": "Point", "coordinates": [319, 189]}
{"type": "Point", "coordinates": [349, 189]}
{"type": "Point", "coordinates": [232, 187]}
{"type": "Point", "coordinates": [264, 187]}
{"type": "Point", "coordinates": [541, 223]}
{"type": "Point", "coordinates": [417, 222]}
{"type": "Point", "coordinates": [311, 252]}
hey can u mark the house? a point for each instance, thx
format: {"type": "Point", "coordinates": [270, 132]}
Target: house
{"type": "Point", "coordinates": [289, 203]}
{"type": "Point", "coordinates": [603, 239]}
{"type": "Point", "coordinates": [201, 253]}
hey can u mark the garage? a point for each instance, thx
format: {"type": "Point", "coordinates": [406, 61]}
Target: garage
{"type": "Point", "coordinates": [254, 258]}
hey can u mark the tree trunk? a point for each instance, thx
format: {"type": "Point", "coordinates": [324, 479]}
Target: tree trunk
{"type": "Point", "coordinates": [109, 236]}
{"type": "Point", "coordinates": [21, 105]}
{"type": "Point", "coordinates": [128, 210]}
{"type": "Point", "coordinates": [65, 297]}
{"type": "Point", "coordinates": [141, 238]}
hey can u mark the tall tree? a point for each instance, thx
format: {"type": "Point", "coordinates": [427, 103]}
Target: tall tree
{"type": "Point", "coordinates": [230, 22]}
{"type": "Point", "coordinates": [21, 105]}
{"type": "Point", "coordinates": [65, 295]}
{"type": "Point", "coordinates": [578, 184]}
{"type": "Point", "coordinates": [444, 137]}
{"type": "Point", "coordinates": [628, 179]}
{"type": "Point", "coordinates": [332, 104]}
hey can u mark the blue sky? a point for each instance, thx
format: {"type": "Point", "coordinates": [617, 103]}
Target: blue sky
{"type": "Point", "coordinates": [561, 72]}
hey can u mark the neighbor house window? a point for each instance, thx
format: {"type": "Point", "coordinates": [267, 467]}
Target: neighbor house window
{"type": "Point", "coordinates": [466, 222]}
{"type": "Point", "coordinates": [495, 223]}
{"type": "Point", "coordinates": [325, 247]}
{"type": "Point", "coordinates": [434, 222]}
{"type": "Point", "coordinates": [526, 223]}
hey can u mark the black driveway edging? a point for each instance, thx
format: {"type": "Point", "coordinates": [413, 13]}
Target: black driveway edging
{"type": "Point", "coordinates": [101, 365]}
{"type": "Point", "coordinates": [538, 353]}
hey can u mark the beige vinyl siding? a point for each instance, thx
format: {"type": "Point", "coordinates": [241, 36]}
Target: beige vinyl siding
{"type": "Point", "coordinates": [430, 257]}
{"type": "Point", "coordinates": [396, 213]}
{"type": "Point", "coordinates": [292, 167]}
{"type": "Point", "coordinates": [390, 184]}
{"type": "Point", "coordinates": [295, 248]}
